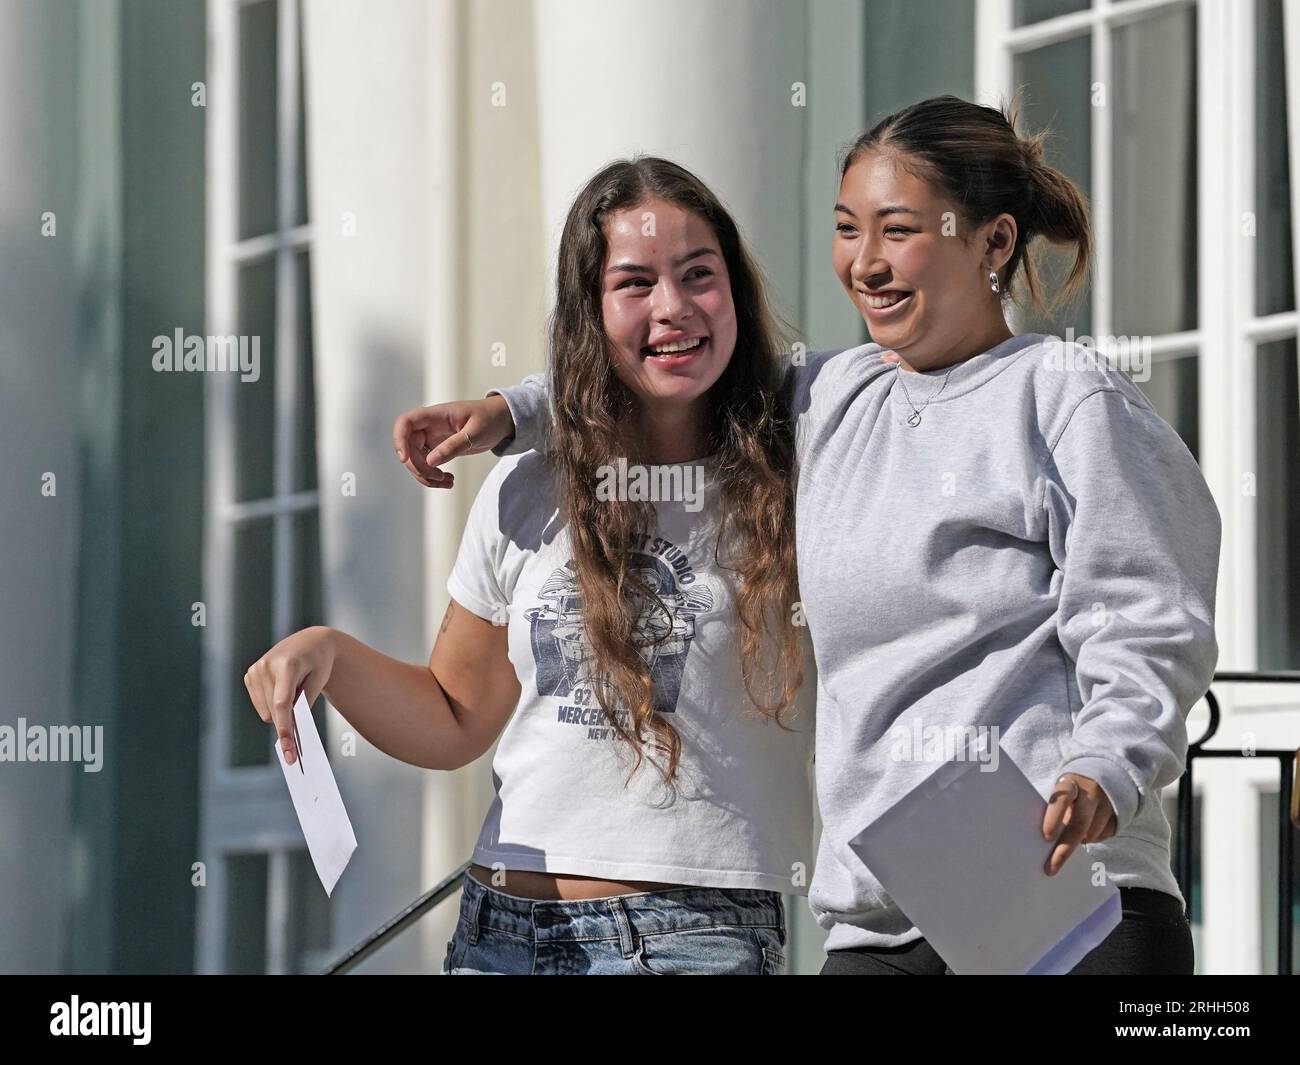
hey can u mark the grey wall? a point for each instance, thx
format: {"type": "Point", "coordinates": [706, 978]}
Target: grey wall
{"type": "Point", "coordinates": [141, 551]}
{"type": "Point", "coordinates": [40, 392]}
{"type": "Point", "coordinates": [96, 125]}
{"type": "Point", "coordinates": [866, 59]}
{"type": "Point", "coordinates": [916, 49]}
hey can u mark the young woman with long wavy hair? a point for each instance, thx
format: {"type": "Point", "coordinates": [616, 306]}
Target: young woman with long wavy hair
{"type": "Point", "coordinates": [620, 618]}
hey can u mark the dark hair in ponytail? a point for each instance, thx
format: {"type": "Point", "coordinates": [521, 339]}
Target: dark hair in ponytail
{"type": "Point", "coordinates": [974, 154]}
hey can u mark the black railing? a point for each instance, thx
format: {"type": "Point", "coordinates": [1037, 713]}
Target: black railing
{"type": "Point", "coordinates": [1288, 815]}
{"type": "Point", "coordinates": [1288, 800]}
{"type": "Point", "coordinates": [392, 929]}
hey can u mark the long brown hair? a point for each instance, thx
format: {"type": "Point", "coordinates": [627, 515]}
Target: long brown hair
{"type": "Point", "coordinates": [975, 156]}
{"type": "Point", "coordinates": [595, 423]}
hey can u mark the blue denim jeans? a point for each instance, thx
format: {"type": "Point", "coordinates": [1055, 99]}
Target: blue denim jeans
{"type": "Point", "coordinates": [682, 931]}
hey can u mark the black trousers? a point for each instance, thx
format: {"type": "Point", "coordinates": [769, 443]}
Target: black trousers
{"type": "Point", "coordinates": [1153, 937]}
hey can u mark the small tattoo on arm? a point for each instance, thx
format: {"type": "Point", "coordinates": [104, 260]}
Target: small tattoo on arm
{"type": "Point", "coordinates": [446, 620]}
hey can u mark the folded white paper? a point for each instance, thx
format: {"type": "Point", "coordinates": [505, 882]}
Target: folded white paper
{"type": "Point", "coordinates": [316, 798]}
{"type": "Point", "coordinates": [962, 855]}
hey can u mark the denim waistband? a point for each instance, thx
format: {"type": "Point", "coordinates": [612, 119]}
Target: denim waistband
{"type": "Point", "coordinates": [617, 916]}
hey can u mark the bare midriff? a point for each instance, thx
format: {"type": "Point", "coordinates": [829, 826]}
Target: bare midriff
{"type": "Point", "coordinates": [533, 885]}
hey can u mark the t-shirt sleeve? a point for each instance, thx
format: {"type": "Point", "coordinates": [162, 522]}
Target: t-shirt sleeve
{"type": "Point", "coordinates": [1134, 532]}
{"type": "Point", "coordinates": [475, 579]}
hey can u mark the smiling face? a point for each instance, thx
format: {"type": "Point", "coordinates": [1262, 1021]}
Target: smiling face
{"type": "Point", "coordinates": [666, 302]}
{"type": "Point", "coordinates": [923, 294]}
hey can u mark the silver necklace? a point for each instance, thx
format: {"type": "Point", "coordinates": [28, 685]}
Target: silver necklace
{"type": "Point", "coordinates": [914, 419]}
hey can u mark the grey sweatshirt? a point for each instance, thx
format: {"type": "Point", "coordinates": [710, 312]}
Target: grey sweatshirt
{"type": "Point", "coordinates": [1031, 566]}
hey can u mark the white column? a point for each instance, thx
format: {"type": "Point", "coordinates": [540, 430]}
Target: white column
{"type": "Point", "coordinates": [43, 377]}
{"type": "Point", "coordinates": [708, 86]}
{"type": "Point", "coordinates": [367, 72]}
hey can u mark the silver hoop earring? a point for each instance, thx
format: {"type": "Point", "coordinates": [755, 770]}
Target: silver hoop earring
{"type": "Point", "coordinates": [993, 281]}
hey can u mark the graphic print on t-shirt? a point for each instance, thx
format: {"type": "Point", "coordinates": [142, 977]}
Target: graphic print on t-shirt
{"type": "Point", "coordinates": [565, 661]}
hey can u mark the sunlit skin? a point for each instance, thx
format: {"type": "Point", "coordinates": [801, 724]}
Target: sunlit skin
{"type": "Point", "coordinates": [667, 284]}
{"type": "Point", "coordinates": [894, 231]}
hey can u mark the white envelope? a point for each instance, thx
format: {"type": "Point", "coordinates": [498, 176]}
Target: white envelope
{"type": "Point", "coordinates": [316, 798]}
{"type": "Point", "coordinates": [962, 855]}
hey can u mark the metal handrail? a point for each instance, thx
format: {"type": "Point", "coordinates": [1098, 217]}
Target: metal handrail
{"type": "Point", "coordinates": [1289, 796]}
{"type": "Point", "coordinates": [1288, 806]}
{"type": "Point", "coordinates": [396, 926]}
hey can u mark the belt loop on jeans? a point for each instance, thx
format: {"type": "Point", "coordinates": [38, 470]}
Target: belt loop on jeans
{"type": "Point", "coordinates": [626, 939]}
{"type": "Point", "coordinates": [475, 896]}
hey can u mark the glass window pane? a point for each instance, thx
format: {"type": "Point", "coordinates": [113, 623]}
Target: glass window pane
{"type": "Point", "coordinates": [1274, 269]}
{"type": "Point", "coordinates": [254, 441]}
{"type": "Point", "coordinates": [259, 155]}
{"type": "Point", "coordinates": [1174, 390]}
{"type": "Point", "coordinates": [1277, 504]}
{"type": "Point", "coordinates": [1027, 11]}
{"type": "Point", "coordinates": [246, 913]}
{"type": "Point", "coordinates": [1269, 882]}
{"type": "Point", "coordinates": [1154, 173]}
{"type": "Point", "coordinates": [1055, 80]}
{"type": "Point", "coordinates": [307, 606]}
{"type": "Point", "coordinates": [309, 917]}
{"type": "Point", "coordinates": [305, 450]}
{"type": "Point", "coordinates": [251, 739]}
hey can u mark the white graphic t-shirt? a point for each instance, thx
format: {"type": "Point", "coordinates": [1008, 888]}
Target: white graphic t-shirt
{"type": "Point", "coordinates": [742, 816]}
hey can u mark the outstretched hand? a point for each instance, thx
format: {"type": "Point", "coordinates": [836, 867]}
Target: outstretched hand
{"type": "Point", "coordinates": [428, 437]}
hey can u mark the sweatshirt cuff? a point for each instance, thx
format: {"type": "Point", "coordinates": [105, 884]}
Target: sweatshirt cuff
{"type": "Point", "coordinates": [516, 398]}
{"type": "Point", "coordinates": [507, 445]}
{"type": "Point", "coordinates": [1114, 781]}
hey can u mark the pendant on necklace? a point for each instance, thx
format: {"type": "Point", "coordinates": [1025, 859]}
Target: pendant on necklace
{"type": "Point", "coordinates": [914, 419]}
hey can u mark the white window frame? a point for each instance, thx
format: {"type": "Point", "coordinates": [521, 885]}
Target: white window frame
{"type": "Point", "coordinates": [247, 809]}
{"type": "Point", "coordinates": [1224, 344]}
{"type": "Point", "coordinates": [1227, 327]}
